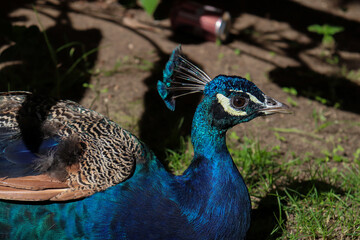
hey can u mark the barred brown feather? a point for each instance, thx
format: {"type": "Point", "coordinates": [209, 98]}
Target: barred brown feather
{"type": "Point", "coordinates": [94, 153]}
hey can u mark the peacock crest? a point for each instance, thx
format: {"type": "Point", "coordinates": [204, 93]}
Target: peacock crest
{"type": "Point", "coordinates": [180, 77]}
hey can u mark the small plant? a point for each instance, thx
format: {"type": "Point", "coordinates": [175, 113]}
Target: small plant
{"type": "Point", "coordinates": [247, 76]}
{"type": "Point", "coordinates": [292, 102]}
{"type": "Point", "coordinates": [290, 90]}
{"type": "Point", "coordinates": [272, 53]}
{"type": "Point", "coordinates": [320, 120]}
{"type": "Point", "coordinates": [357, 156]}
{"type": "Point", "coordinates": [221, 56]}
{"type": "Point", "coordinates": [327, 31]}
{"type": "Point", "coordinates": [321, 100]}
{"type": "Point", "coordinates": [352, 74]}
{"type": "Point", "coordinates": [336, 155]}
{"type": "Point", "coordinates": [318, 116]}
{"type": "Point", "coordinates": [334, 60]}
{"type": "Point", "coordinates": [237, 51]}
{"type": "Point", "coordinates": [279, 137]}
{"type": "Point", "coordinates": [148, 5]}
{"type": "Point", "coordinates": [96, 89]}
{"type": "Point", "coordinates": [218, 42]}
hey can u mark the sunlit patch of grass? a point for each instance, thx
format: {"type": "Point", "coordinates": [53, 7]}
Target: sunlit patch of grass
{"type": "Point", "coordinates": [257, 165]}
{"type": "Point", "coordinates": [324, 214]}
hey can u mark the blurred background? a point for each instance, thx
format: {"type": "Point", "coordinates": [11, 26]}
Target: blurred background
{"type": "Point", "coordinates": [108, 55]}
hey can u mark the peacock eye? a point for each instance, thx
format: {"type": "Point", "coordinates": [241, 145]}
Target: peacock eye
{"type": "Point", "coordinates": [238, 102]}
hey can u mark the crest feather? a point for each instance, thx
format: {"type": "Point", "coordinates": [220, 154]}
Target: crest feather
{"type": "Point", "coordinates": [180, 77]}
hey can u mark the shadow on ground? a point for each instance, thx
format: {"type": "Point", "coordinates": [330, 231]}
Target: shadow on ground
{"type": "Point", "coordinates": [56, 63]}
{"type": "Point", "coordinates": [336, 90]}
{"type": "Point", "coordinates": [332, 90]}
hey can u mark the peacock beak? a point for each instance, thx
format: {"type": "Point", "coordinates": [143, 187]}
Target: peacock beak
{"type": "Point", "coordinates": [272, 106]}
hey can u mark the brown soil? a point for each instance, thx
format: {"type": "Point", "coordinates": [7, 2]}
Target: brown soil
{"type": "Point", "coordinates": [276, 50]}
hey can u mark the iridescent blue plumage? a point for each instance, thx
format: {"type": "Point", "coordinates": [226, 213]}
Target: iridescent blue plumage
{"type": "Point", "coordinates": [18, 153]}
{"type": "Point", "coordinates": [142, 201]}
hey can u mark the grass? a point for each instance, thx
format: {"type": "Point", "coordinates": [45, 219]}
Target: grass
{"type": "Point", "coordinates": [178, 161]}
{"type": "Point", "coordinates": [350, 74]}
{"type": "Point", "coordinates": [254, 163]}
{"type": "Point", "coordinates": [314, 198]}
{"type": "Point", "coordinates": [326, 215]}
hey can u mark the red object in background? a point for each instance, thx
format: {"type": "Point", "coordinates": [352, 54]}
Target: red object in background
{"type": "Point", "coordinates": [205, 21]}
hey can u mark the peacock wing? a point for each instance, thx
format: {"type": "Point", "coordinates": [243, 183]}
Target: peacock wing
{"type": "Point", "coordinates": [58, 150]}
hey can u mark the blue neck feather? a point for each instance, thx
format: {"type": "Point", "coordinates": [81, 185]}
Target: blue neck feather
{"type": "Point", "coordinates": [215, 196]}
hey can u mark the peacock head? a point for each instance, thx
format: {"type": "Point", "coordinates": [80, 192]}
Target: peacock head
{"type": "Point", "coordinates": [229, 100]}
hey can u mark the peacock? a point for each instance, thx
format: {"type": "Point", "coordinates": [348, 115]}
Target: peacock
{"type": "Point", "coordinates": [67, 172]}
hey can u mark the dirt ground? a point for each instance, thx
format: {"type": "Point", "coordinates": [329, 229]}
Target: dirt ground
{"type": "Point", "coordinates": [268, 42]}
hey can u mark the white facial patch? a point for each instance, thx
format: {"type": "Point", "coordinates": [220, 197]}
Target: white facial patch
{"type": "Point", "coordinates": [225, 103]}
{"type": "Point", "coordinates": [252, 97]}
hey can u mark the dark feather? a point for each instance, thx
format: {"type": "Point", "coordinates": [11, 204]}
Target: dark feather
{"type": "Point", "coordinates": [54, 163]}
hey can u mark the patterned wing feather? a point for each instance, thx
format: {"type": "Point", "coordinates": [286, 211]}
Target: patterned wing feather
{"type": "Point", "coordinates": [58, 150]}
